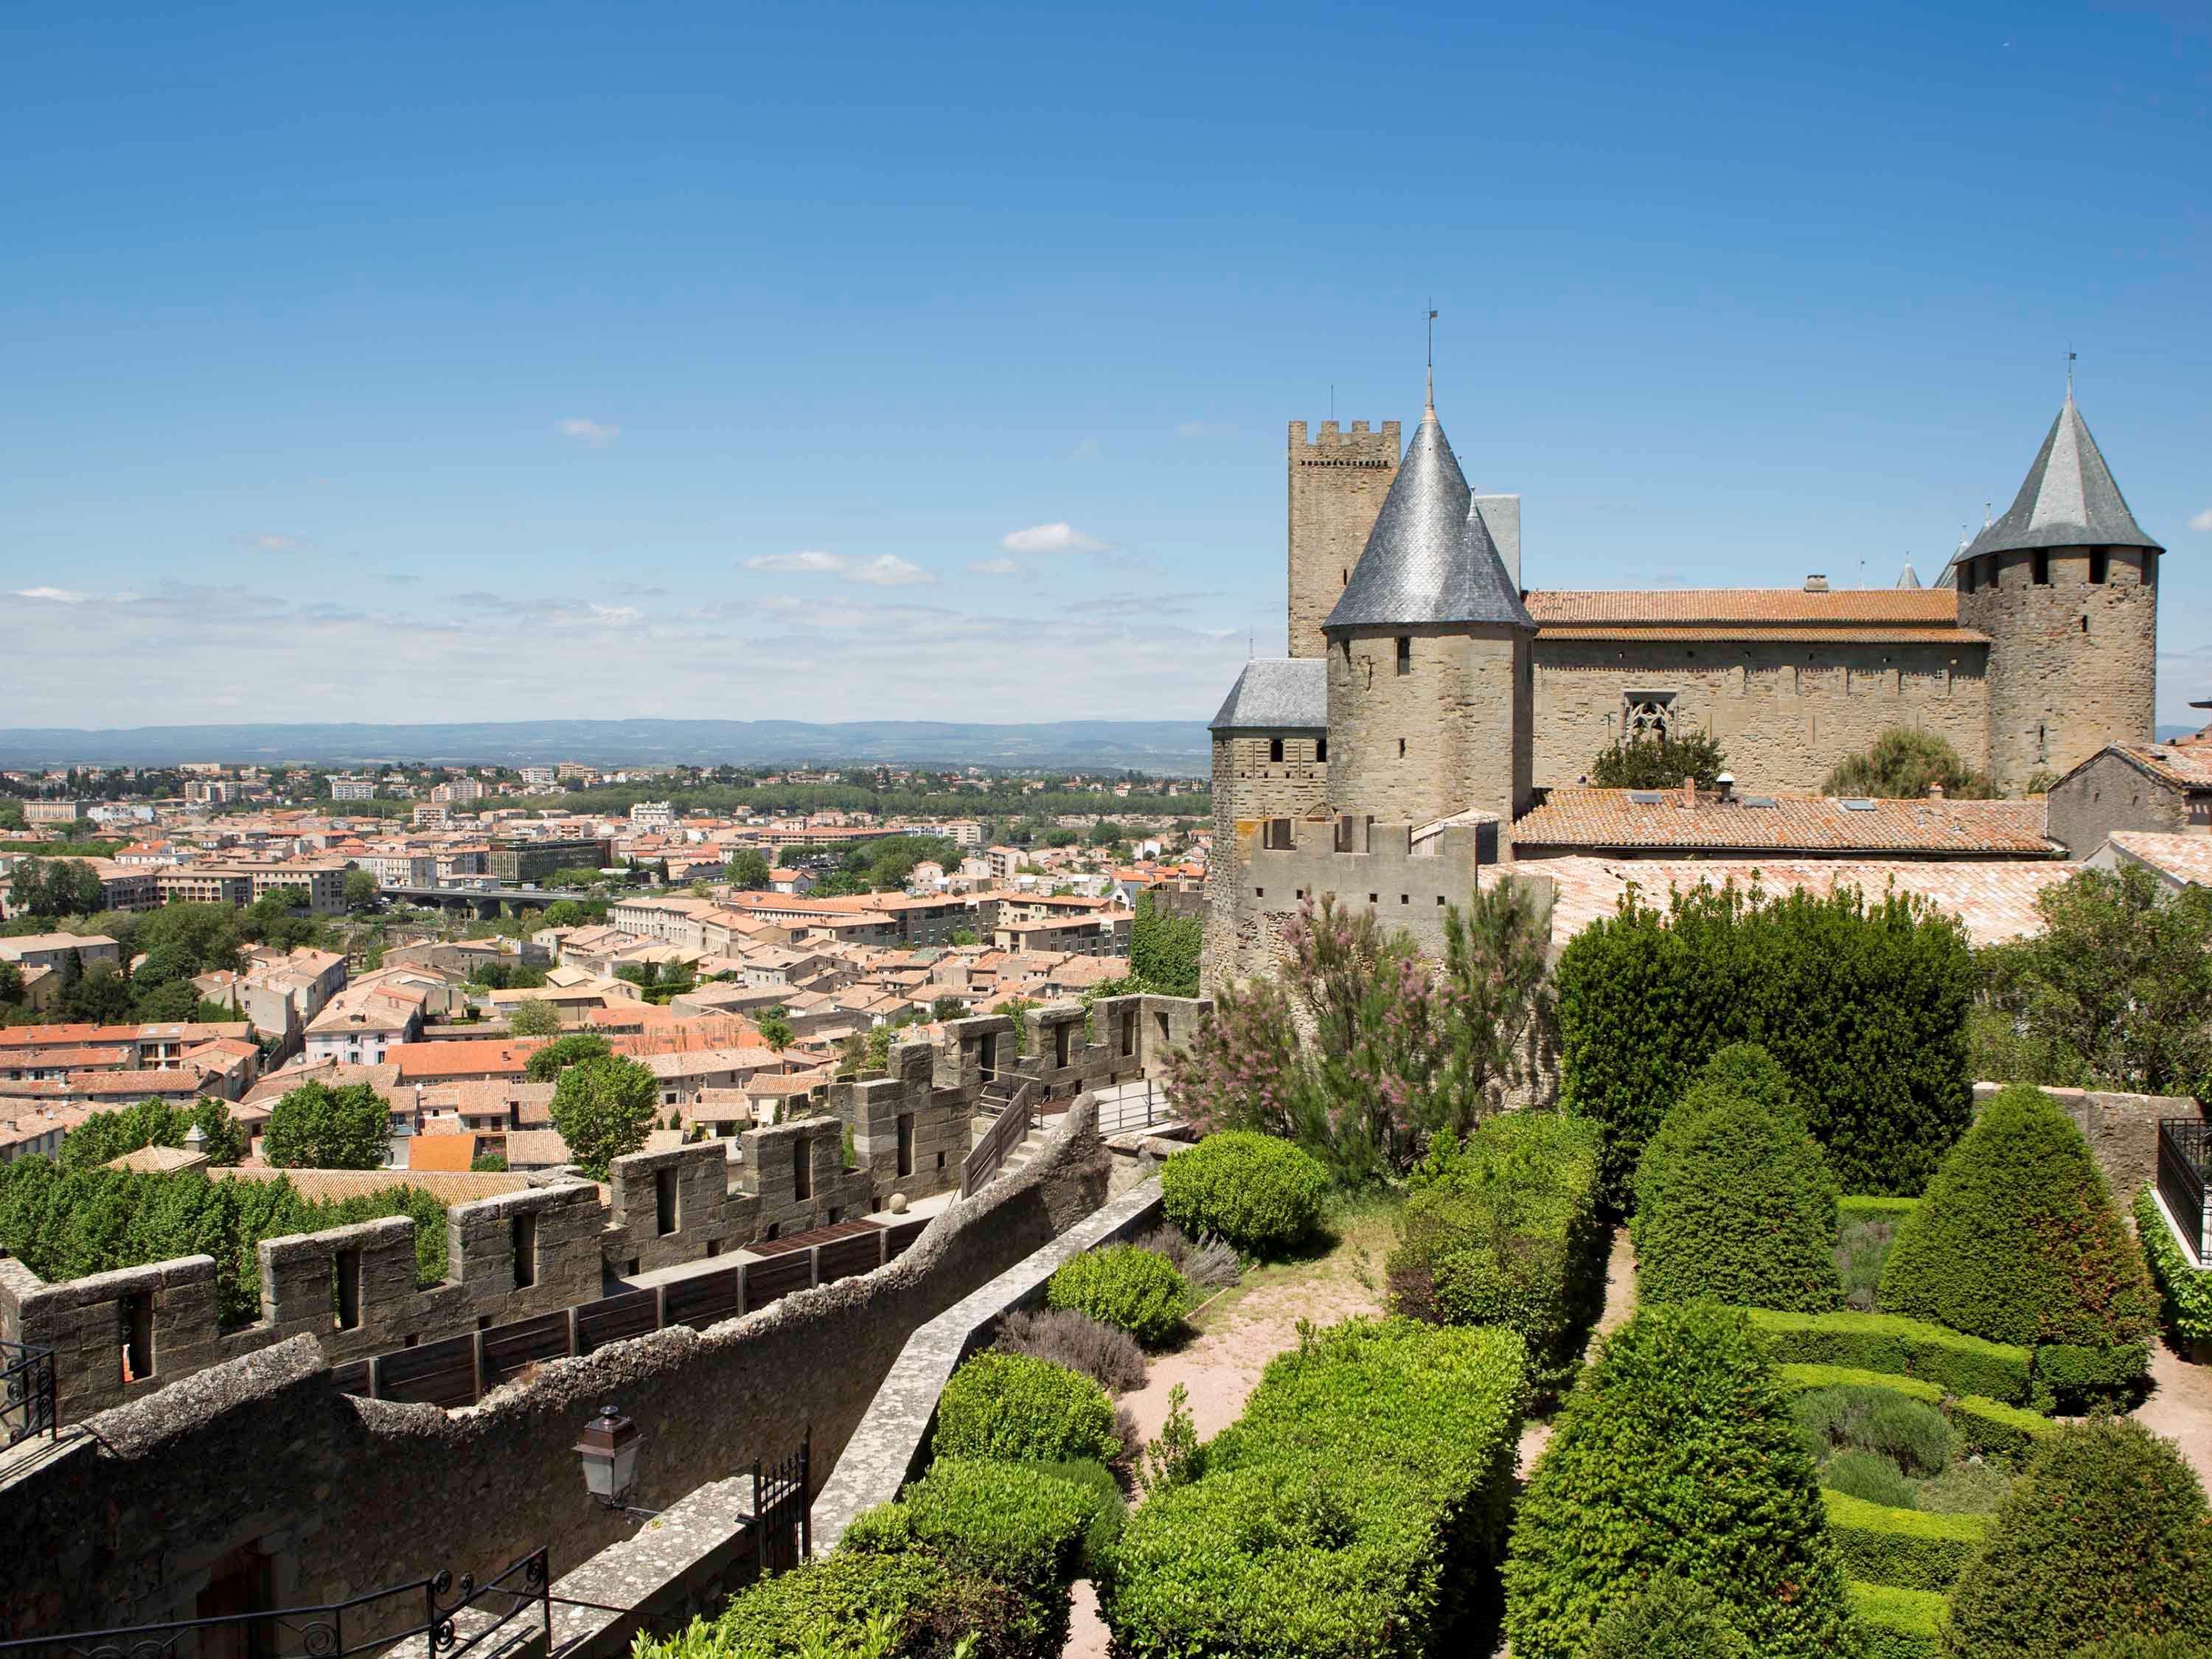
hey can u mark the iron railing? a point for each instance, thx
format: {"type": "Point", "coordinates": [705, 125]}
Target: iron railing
{"type": "Point", "coordinates": [783, 1509]}
{"type": "Point", "coordinates": [1007, 1130]}
{"type": "Point", "coordinates": [1125, 1109]}
{"type": "Point", "coordinates": [2184, 1164]}
{"type": "Point", "coordinates": [27, 1393]}
{"type": "Point", "coordinates": [334, 1629]}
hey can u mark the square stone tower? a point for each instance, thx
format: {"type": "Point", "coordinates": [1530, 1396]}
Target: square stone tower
{"type": "Point", "coordinates": [1337, 485]}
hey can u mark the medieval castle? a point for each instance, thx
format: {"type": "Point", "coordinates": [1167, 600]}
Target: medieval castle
{"type": "Point", "coordinates": [1434, 714]}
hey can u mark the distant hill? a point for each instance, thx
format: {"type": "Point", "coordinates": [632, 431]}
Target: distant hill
{"type": "Point", "coordinates": [1172, 746]}
{"type": "Point", "coordinates": [2168, 733]}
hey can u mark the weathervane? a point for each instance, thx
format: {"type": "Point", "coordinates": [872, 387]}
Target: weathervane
{"type": "Point", "coordinates": [1432, 354]}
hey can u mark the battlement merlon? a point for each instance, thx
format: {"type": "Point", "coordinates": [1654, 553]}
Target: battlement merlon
{"type": "Point", "coordinates": [1331, 445]}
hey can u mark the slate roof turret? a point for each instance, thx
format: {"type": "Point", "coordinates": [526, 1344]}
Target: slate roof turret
{"type": "Point", "coordinates": [2067, 500]}
{"type": "Point", "coordinates": [1430, 557]}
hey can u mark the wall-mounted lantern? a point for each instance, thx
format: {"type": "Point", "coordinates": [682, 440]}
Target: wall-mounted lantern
{"type": "Point", "coordinates": [609, 1452]}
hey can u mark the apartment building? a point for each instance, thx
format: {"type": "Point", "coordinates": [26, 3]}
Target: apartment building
{"type": "Point", "coordinates": [458, 792]}
{"type": "Point", "coordinates": [515, 861]}
{"type": "Point", "coordinates": [353, 788]}
{"type": "Point", "coordinates": [28, 950]}
{"type": "Point", "coordinates": [41, 814]}
{"type": "Point", "coordinates": [241, 881]}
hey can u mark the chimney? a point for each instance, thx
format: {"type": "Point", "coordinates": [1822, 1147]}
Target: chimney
{"type": "Point", "coordinates": [1690, 793]}
{"type": "Point", "coordinates": [1724, 785]}
{"type": "Point", "coordinates": [1816, 583]}
{"type": "Point", "coordinates": [1934, 791]}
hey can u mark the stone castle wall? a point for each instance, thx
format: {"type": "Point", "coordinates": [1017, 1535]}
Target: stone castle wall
{"type": "Point", "coordinates": [125, 1520]}
{"type": "Point", "coordinates": [2110, 794]}
{"type": "Point", "coordinates": [1250, 785]}
{"type": "Point", "coordinates": [2073, 663]}
{"type": "Point", "coordinates": [1450, 734]}
{"type": "Point", "coordinates": [1337, 483]}
{"type": "Point", "coordinates": [1785, 714]}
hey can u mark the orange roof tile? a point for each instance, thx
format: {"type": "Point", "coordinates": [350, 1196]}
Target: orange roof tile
{"type": "Point", "coordinates": [1601, 820]}
{"type": "Point", "coordinates": [1907, 607]}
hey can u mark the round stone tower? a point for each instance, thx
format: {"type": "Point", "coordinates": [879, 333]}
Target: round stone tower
{"type": "Point", "coordinates": [1430, 658]}
{"type": "Point", "coordinates": [2065, 585]}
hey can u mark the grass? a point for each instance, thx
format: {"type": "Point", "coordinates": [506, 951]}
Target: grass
{"type": "Point", "coordinates": [1355, 1240]}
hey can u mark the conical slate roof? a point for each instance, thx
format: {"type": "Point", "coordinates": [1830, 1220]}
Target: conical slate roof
{"type": "Point", "coordinates": [1276, 694]}
{"type": "Point", "coordinates": [1430, 557]}
{"type": "Point", "coordinates": [1909, 577]}
{"type": "Point", "coordinates": [2069, 499]}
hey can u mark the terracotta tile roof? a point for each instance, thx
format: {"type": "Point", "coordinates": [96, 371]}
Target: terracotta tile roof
{"type": "Point", "coordinates": [449, 1153]}
{"type": "Point", "coordinates": [448, 1187]}
{"type": "Point", "coordinates": [338, 1074]}
{"type": "Point", "coordinates": [159, 1160]}
{"type": "Point", "coordinates": [535, 1149]}
{"type": "Point", "coordinates": [1756, 634]}
{"type": "Point", "coordinates": [1895, 607]}
{"type": "Point", "coordinates": [2185, 766]}
{"type": "Point", "coordinates": [446, 1061]}
{"type": "Point", "coordinates": [1995, 902]}
{"type": "Point", "coordinates": [2185, 858]}
{"type": "Point", "coordinates": [1599, 820]}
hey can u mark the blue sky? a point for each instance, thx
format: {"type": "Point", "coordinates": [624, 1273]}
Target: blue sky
{"type": "Point", "coordinates": [848, 361]}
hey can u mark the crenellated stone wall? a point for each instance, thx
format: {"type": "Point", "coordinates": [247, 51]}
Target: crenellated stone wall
{"type": "Point", "coordinates": [1337, 482]}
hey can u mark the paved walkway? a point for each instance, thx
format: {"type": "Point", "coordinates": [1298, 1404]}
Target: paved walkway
{"type": "Point", "coordinates": [2180, 1406]}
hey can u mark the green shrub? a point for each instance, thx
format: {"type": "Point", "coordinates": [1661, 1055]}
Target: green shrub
{"type": "Point", "coordinates": [1263, 1195]}
{"type": "Point", "coordinates": [1106, 1509]}
{"type": "Point", "coordinates": [1796, 1377]}
{"type": "Point", "coordinates": [1014, 1407]}
{"type": "Point", "coordinates": [1862, 1005]}
{"type": "Point", "coordinates": [1735, 1202]}
{"type": "Point", "coordinates": [1672, 1619]}
{"type": "Point", "coordinates": [2148, 1647]}
{"type": "Point", "coordinates": [1872, 1476]}
{"type": "Point", "coordinates": [1503, 1230]}
{"type": "Point", "coordinates": [2086, 1374]}
{"type": "Point", "coordinates": [1899, 1624]}
{"type": "Point", "coordinates": [1016, 1525]}
{"type": "Point", "coordinates": [1874, 1418]}
{"type": "Point", "coordinates": [1908, 1347]}
{"type": "Point", "coordinates": [1912, 1549]}
{"type": "Point", "coordinates": [1675, 1456]}
{"type": "Point", "coordinates": [1992, 1429]}
{"type": "Point", "coordinates": [1134, 1290]}
{"type": "Point", "coordinates": [2017, 1240]}
{"type": "Point", "coordinates": [1860, 1206]}
{"type": "Point", "coordinates": [2184, 1288]}
{"type": "Point", "coordinates": [1965, 1489]}
{"type": "Point", "coordinates": [1354, 1507]}
{"type": "Point", "coordinates": [2105, 1536]}
{"type": "Point", "coordinates": [832, 1606]}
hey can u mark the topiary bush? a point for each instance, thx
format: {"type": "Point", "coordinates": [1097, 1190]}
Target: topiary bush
{"type": "Point", "coordinates": [1862, 1005]}
{"type": "Point", "coordinates": [1134, 1290]}
{"type": "Point", "coordinates": [1504, 1229]}
{"type": "Point", "coordinates": [2106, 1537]}
{"type": "Point", "coordinates": [1899, 1624]}
{"type": "Point", "coordinates": [1018, 1408]}
{"type": "Point", "coordinates": [1263, 1195]}
{"type": "Point", "coordinates": [838, 1604]}
{"type": "Point", "coordinates": [1735, 1202]}
{"type": "Point", "coordinates": [1671, 1619]}
{"type": "Point", "coordinates": [2184, 1288]}
{"type": "Point", "coordinates": [1895, 1544]}
{"type": "Point", "coordinates": [2017, 1240]}
{"type": "Point", "coordinates": [1106, 1510]}
{"type": "Point", "coordinates": [1354, 1509]}
{"type": "Point", "coordinates": [1675, 1456]}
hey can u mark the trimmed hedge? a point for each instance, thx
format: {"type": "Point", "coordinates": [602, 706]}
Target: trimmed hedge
{"type": "Point", "coordinates": [1503, 1230]}
{"type": "Point", "coordinates": [1675, 1455]}
{"type": "Point", "coordinates": [1859, 1207]}
{"type": "Point", "coordinates": [1908, 1348]}
{"type": "Point", "coordinates": [1735, 1202]}
{"type": "Point", "coordinates": [1797, 1378]}
{"type": "Point", "coordinates": [1987, 1426]}
{"type": "Point", "coordinates": [1899, 1624]}
{"type": "Point", "coordinates": [2072, 1372]}
{"type": "Point", "coordinates": [1262, 1193]}
{"type": "Point", "coordinates": [2017, 1240]}
{"type": "Point", "coordinates": [2185, 1289]}
{"type": "Point", "coordinates": [2106, 1535]}
{"type": "Point", "coordinates": [1353, 1509]}
{"type": "Point", "coordinates": [1672, 1619]}
{"type": "Point", "coordinates": [1912, 1549]}
{"type": "Point", "coordinates": [1133, 1289]}
{"type": "Point", "coordinates": [1014, 1407]}
{"type": "Point", "coordinates": [1863, 1005]}
{"type": "Point", "coordinates": [826, 1606]}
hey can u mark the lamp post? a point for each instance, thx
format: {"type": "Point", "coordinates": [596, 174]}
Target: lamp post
{"type": "Point", "coordinates": [608, 1451]}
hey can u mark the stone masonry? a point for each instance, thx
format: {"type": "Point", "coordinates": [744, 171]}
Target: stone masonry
{"type": "Point", "coordinates": [1338, 482]}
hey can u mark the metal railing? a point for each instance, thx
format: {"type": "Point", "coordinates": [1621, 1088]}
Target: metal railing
{"type": "Point", "coordinates": [1007, 1130]}
{"type": "Point", "coordinates": [322, 1631]}
{"type": "Point", "coordinates": [2184, 1164]}
{"type": "Point", "coordinates": [1126, 1111]}
{"type": "Point", "coordinates": [27, 1393]}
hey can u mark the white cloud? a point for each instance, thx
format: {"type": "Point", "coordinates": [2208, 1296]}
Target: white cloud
{"type": "Point", "coordinates": [885, 570]}
{"type": "Point", "coordinates": [1089, 450]}
{"type": "Point", "coordinates": [620, 616]}
{"type": "Point", "coordinates": [57, 595]}
{"type": "Point", "coordinates": [2202, 521]}
{"type": "Point", "coordinates": [272, 544]}
{"type": "Point", "coordinates": [1205, 429]}
{"type": "Point", "coordinates": [997, 567]}
{"type": "Point", "coordinates": [1061, 538]}
{"type": "Point", "coordinates": [592, 435]}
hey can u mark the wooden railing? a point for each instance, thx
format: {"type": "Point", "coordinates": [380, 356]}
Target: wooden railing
{"type": "Point", "coordinates": [1007, 1130]}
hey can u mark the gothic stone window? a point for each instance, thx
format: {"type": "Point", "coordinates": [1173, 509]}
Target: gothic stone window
{"type": "Point", "coordinates": [1646, 715]}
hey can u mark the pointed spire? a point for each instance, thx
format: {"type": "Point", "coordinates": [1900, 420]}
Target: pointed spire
{"type": "Point", "coordinates": [1430, 557]}
{"type": "Point", "coordinates": [2068, 498]}
{"type": "Point", "coordinates": [1909, 577]}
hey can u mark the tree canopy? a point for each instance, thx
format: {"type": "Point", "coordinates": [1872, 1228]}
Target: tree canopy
{"type": "Point", "coordinates": [1901, 763]}
{"type": "Point", "coordinates": [604, 1109]}
{"type": "Point", "coordinates": [1660, 763]}
{"type": "Point", "coordinates": [315, 1126]}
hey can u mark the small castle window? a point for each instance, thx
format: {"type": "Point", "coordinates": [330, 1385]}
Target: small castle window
{"type": "Point", "coordinates": [1274, 748]}
{"type": "Point", "coordinates": [1344, 578]}
{"type": "Point", "coordinates": [1966, 575]}
{"type": "Point", "coordinates": [1405, 654]}
{"type": "Point", "coordinates": [2149, 568]}
{"type": "Point", "coordinates": [2085, 622]}
{"type": "Point", "coordinates": [2042, 568]}
{"type": "Point", "coordinates": [1321, 748]}
{"type": "Point", "coordinates": [2100, 561]}
{"type": "Point", "coordinates": [1401, 749]}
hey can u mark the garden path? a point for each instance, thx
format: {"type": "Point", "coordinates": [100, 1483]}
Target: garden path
{"type": "Point", "coordinates": [1238, 1332]}
{"type": "Point", "coordinates": [2180, 1406]}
